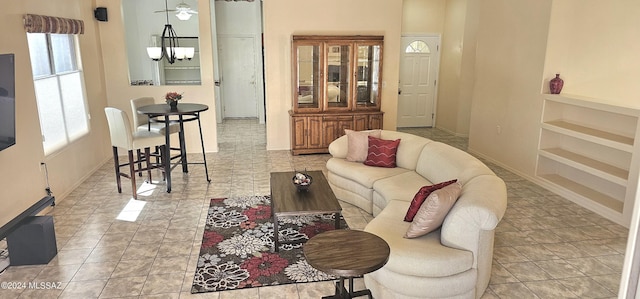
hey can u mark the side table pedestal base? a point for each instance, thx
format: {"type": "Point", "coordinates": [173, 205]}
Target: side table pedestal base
{"type": "Point", "coordinates": [341, 291]}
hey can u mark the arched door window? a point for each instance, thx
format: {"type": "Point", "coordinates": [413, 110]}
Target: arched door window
{"type": "Point", "coordinates": [417, 46]}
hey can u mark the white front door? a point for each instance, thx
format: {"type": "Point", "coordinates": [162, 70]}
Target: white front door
{"type": "Point", "coordinates": [419, 63]}
{"type": "Point", "coordinates": [238, 68]}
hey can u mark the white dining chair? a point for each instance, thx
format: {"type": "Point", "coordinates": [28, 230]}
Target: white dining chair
{"type": "Point", "coordinates": [142, 123]}
{"type": "Point", "coordinates": [123, 136]}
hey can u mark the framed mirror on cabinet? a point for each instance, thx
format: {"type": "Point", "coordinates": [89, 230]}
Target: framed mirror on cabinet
{"type": "Point", "coordinates": [336, 86]}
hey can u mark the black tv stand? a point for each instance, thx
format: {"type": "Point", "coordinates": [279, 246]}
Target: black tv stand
{"type": "Point", "coordinates": [46, 201]}
{"type": "Point", "coordinates": [31, 239]}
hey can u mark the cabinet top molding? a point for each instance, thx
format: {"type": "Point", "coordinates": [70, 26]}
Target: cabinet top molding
{"type": "Point", "coordinates": [339, 37]}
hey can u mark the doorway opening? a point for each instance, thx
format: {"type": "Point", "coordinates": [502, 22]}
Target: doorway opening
{"type": "Point", "coordinates": [238, 60]}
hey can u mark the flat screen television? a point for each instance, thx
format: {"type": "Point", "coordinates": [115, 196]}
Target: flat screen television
{"type": "Point", "coordinates": [7, 101]}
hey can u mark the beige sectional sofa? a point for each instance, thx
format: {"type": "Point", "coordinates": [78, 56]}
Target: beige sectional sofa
{"type": "Point", "coordinates": [451, 262]}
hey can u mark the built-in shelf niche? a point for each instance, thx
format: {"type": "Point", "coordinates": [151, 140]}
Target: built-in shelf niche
{"type": "Point", "coordinates": [587, 153]}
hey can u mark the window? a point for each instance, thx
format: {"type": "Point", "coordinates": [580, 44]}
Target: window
{"type": "Point", "coordinates": [59, 87]}
{"type": "Point", "coordinates": [417, 46]}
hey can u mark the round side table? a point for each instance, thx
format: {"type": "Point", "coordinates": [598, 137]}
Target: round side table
{"type": "Point", "coordinates": [346, 254]}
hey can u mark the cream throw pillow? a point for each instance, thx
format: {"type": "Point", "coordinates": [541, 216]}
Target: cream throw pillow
{"type": "Point", "coordinates": [433, 210]}
{"type": "Point", "coordinates": [358, 144]}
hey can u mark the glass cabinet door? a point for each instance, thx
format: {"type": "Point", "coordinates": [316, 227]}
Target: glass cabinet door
{"type": "Point", "coordinates": [338, 76]}
{"type": "Point", "coordinates": [368, 63]}
{"type": "Point", "coordinates": [336, 73]}
{"type": "Point", "coordinates": [308, 76]}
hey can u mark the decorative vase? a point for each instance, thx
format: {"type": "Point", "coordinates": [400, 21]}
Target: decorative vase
{"type": "Point", "coordinates": [173, 105]}
{"type": "Point", "coordinates": [555, 85]}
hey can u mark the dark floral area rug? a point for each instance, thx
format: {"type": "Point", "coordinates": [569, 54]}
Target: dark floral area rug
{"type": "Point", "coordinates": [237, 246]}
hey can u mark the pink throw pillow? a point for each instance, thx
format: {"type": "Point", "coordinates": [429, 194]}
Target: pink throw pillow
{"type": "Point", "coordinates": [435, 208]}
{"type": "Point", "coordinates": [419, 198]}
{"type": "Point", "coordinates": [358, 144]}
{"type": "Point", "coordinates": [382, 153]}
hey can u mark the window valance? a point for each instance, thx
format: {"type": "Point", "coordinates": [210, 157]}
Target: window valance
{"type": "Point", "coordinates": [47, 24]}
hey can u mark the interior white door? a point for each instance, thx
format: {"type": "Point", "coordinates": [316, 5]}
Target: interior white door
{"type": "Point", "coordinates": [238, 68]}
{"type": "Point", "coordinates": [418, 72]}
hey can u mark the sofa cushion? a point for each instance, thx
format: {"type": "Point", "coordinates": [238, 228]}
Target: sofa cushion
{"type": "Point", "coordinates": [387, 284]}
{"type": "Point", "coordinates": [379, 203]}
{"type": "Point", "coordinates": [409, 149]}
{"type": "Point", "coordinates": [360, 173]}
{"type": "Point", "coordinates": [382, 153]}
{"type": "Point", "coordinates": [351, 192]}
{"type": "Point", "coordinates": [358, 144]}
{"type": "Point", "coordinates": [433, 211]}
{"type": "Point", "coordinates": [401, 187]}
{"type": "Point", "coordinates": [422, 194]}
{"type": "Point", "coordinates": [440, 162]}
{"type": "Point", "coordinates": [424, 256]}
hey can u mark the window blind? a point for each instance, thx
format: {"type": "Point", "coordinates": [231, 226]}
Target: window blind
{"type": "Point", "coordinates": [47, 24]}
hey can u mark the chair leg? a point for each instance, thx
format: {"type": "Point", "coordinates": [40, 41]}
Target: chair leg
{"type": "Point", "coordinates": [139, 161]}
{"type": "Point", "coordinates": [163, 159]}
{"type": "Point", "coordinates": [116, 162]}
{"type": "Point", "coordinates": [132, 174]}
{"type": "Point", "coordinates": [147, 153]}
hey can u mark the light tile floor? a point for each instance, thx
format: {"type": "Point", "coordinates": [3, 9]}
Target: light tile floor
{"type": "Point", "coordinates": [545, 247]}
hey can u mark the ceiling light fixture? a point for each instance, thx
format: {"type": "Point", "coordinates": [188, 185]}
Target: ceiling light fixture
{"type": "Point", "coordinates": [170, 47]}
{"type": "Point", "coordinates": [184, 11]}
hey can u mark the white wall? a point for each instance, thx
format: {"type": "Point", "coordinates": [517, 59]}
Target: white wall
{"type": "Point", "coordinates": [141, 22]}
{"type": "Point", "coordinates": [21, 178]}
{"type": "Point", "coordinates": [449, 102]}
{"type": "Point", "coordinates": [456, 21]}
{"type": "Point", "coordinates": [120, 92]}
{"type": "Point", "coordinates": [594, 45]}
{"type": "Point", "coordinates": [510, 57]}
{"type": "Point", "coordinates": [331, 17]}
{"type": "Point", "coordinates": [468, 67]}
{"type": "Point", "coordinates": [598, 59]}
{"type": "Point", "coordinates": [240, 19]}
{"type": "Point", "coordinates": [423, 16]}
{"type": "Point", "coordinates": [522, 44]}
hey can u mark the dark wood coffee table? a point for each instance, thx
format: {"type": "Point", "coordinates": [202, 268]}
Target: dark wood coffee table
{"type": "Point", "coordinates": [347, 254]}
{"type": "Point", "coordinates": [286, 200]}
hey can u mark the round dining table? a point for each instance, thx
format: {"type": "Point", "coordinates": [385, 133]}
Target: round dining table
{"type": "Point", "coordinates": [183, 112]}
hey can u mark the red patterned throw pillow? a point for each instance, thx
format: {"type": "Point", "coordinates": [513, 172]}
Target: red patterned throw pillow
{"type": "Point", "coordinates": [419, 198]}
{"type": "Point", "coordinates": [382, 153]}
{"type": "Point", "coordinates": [432, 212]}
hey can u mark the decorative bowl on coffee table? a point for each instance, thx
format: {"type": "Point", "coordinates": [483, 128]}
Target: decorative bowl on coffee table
{"type": "Point", "coordinates": [302, 181]}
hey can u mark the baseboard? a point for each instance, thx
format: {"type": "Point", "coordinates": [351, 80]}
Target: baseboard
{"type": "Point", "coordinates": [506, 167]}
{"type": "Point", "coordinates": [452, 132]}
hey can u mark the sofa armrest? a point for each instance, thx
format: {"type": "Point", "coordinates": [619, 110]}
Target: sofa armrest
{"type": "Point", "coordinates": [480, 207]}
{"type": "Point", "coordinates": [339, 147]}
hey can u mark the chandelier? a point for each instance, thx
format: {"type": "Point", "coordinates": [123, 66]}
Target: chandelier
{"type": "Point", "coordinates": [169, 45]}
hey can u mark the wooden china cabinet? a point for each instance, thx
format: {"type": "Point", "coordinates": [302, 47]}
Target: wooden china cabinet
{"type": "Point", "coordinates": [336, 86]}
